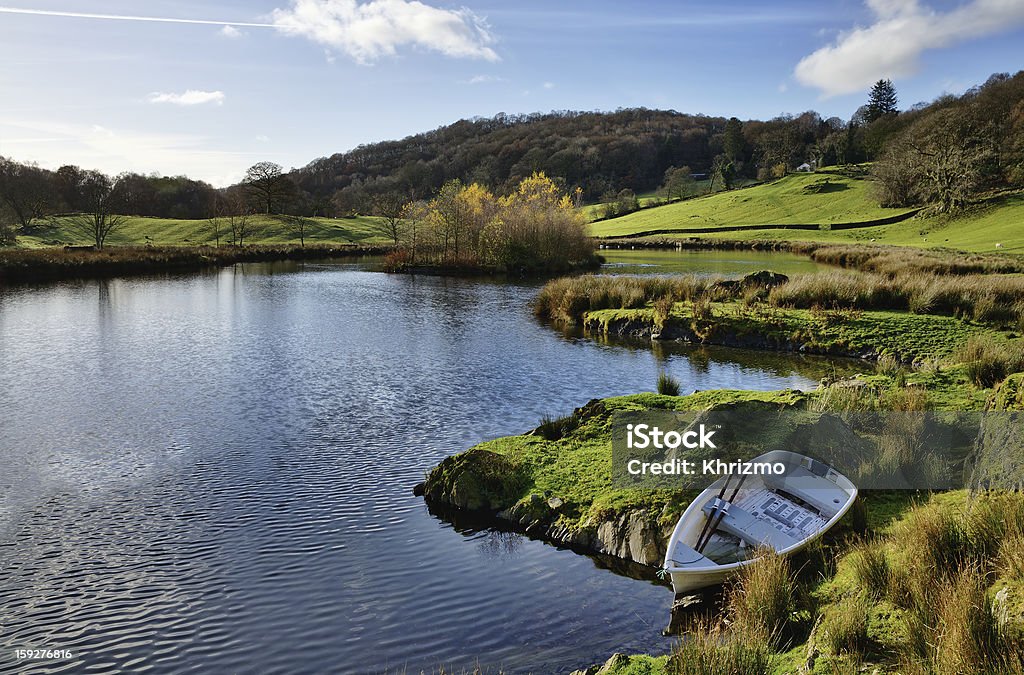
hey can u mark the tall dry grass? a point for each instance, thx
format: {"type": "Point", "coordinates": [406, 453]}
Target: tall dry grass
{"type": "Point", "coordinates": [568, 298]}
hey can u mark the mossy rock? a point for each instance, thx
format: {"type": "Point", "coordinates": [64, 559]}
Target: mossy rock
{"type": "Point", "coordinates": [477, 480]}
{"type": "Point", "coordinates": [1009, 395]}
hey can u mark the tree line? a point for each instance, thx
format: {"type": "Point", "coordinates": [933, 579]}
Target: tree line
{"type": "Point", "coordinates": [939, 153]}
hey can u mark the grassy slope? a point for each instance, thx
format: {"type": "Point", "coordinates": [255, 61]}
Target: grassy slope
{"type": "Point", "coordinates": [787, 201]}
{"type": "Point", "coordinates": [268, 230]}
{"type": "Point", "coordinates": [980, 229]}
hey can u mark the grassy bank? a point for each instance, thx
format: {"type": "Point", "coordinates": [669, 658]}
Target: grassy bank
{"type": "Point", "coordinates": [883, 587]}
{"type": "Point", "coordinates": [266, 230]}
{"type": "Point", "coordinates": [44, 264]}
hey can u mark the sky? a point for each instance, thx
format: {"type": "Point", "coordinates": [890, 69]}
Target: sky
{"type": "Point", "coordinates": [207, 89]}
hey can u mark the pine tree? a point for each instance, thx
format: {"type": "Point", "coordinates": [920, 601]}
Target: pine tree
{"type": "Point", "coordinates": [882, 100]}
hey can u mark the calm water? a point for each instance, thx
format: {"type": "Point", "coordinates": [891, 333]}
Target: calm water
{"type": "Point", "coordinates": [724, 263]}
{"type": "Point", "coordinates": [214, 472]}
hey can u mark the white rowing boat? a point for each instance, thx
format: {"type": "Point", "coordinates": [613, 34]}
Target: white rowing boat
{"type": "Point", "coordinates": [723, 527]}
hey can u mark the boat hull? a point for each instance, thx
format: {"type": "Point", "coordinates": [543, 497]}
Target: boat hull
{"type": "Point", "coordinates": [690, 570]}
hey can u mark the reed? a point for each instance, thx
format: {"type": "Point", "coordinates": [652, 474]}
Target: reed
{"type": "Point", "coordinates": [568, 298]}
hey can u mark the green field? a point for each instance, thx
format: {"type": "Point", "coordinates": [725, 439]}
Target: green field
{"type": "Point", "coordinates": [164, 231]}
{"type": "Point", "coordinates": [980, 229]}
{"type": "Point", "coordinates": [825, 197]}
{"type": "Point", "coordinates": [804, 199]}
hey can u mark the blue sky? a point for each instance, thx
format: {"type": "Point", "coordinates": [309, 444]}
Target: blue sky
{"type": "Point", "coordinates": [314, 77]}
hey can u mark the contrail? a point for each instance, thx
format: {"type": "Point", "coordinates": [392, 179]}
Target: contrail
{"type": "Point", "coordinates": [123, 17]}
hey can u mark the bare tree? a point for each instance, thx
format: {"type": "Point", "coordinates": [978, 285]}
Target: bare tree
{"type": "Point", "coordinates": [237, 213]}
{"type": "Point", "coordinates": [266, 183]}
{"type": "Point", "coordinates": [298, 225]}
{"type": "Point", "coordinates": [100, 197]}
{"type": "Point", "coordinates": [390, 206]}
{"type": "Point", "coordinates": [26, 191]}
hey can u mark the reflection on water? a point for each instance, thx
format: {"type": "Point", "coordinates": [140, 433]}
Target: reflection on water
{"type": "Point", "coordinates": [214, 472]}
{"type": "Point", "coordinates": [717, 263]}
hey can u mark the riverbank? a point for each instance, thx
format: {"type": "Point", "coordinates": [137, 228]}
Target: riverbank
{"type": "Point", "coordinates": [860, 597]}
{"type": "Point", "coordinates": [930, 323]}
{"type": "Point", "coordinates": [18, 266]}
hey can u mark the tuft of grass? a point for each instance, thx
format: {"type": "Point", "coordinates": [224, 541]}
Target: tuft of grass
{"type": "Point", "coordinates": [1010, 561]}
{"type": "Point", "coordinates": [763, 597]}
{"type": "Point", "coordinates": [967, 632]}
{"type": "Point", "coordinates": [667, 385]}
{"type": "Point", "coordinates": [987, 362]}
{"type": "Point", "coordinates": [844, 626]}
{"type": "Point", "coordinates": [871, 568]}
{"type": "Point", "coordinates": [716, 650]}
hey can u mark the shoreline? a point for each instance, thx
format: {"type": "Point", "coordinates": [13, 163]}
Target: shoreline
{"type": "Point", "coordinates": [29, 266]}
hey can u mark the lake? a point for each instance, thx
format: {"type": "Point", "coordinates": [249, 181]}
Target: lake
{"type": "Point", "coordinates": [215, 471]}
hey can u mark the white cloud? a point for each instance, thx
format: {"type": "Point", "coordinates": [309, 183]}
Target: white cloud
{"type": "Point", "coordinates": [549, 85]}
{"type": "Point", "coordinates": [902, 31]}
{"type": "Point", "coordinates": [367, 31]}
{"type": "Point", "coordinates": [190, 97]}
{"type": "Point", "coordinates": [482, 79]}
{"type": "Point", "coordinates": [231, 32]}
{"type": "Point", "coordinates": [263, 138]}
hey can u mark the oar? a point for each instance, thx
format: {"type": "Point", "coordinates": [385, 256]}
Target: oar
{"type": "Point", "coordinates": [714, 507]}
{"type": "Point", "coordinates": [721, 515]}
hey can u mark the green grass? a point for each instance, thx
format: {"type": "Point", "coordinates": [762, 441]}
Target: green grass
{"type": "Point", "coordinates": [910, 336]}
{"type": "Point", "coordinates": [978, 230]}
{"type": "Point", "coordinates": [791, 200]}
{"type": "Point", "coordinates": [164, 231]}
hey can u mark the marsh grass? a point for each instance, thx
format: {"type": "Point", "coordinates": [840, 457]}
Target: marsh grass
{"type": "Point", "coordinates": [844, 626]}
{"type": "Point", "coordinates": [556, 428]}
{"type": "Point", "coordinates": [987, 362]}
{"type": "Point", "coordinates": [667, 385]}
{"type": "Point", "coordinates": [713, 649]}
{"type": "Point", "coordinates": [568, 298]}
{"type": "Point", "coordinates": [763, 597]}
{"type": "Point", "coordinates": [871, 568]}
{"type": "Point", "coordinates": [936, 566]}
